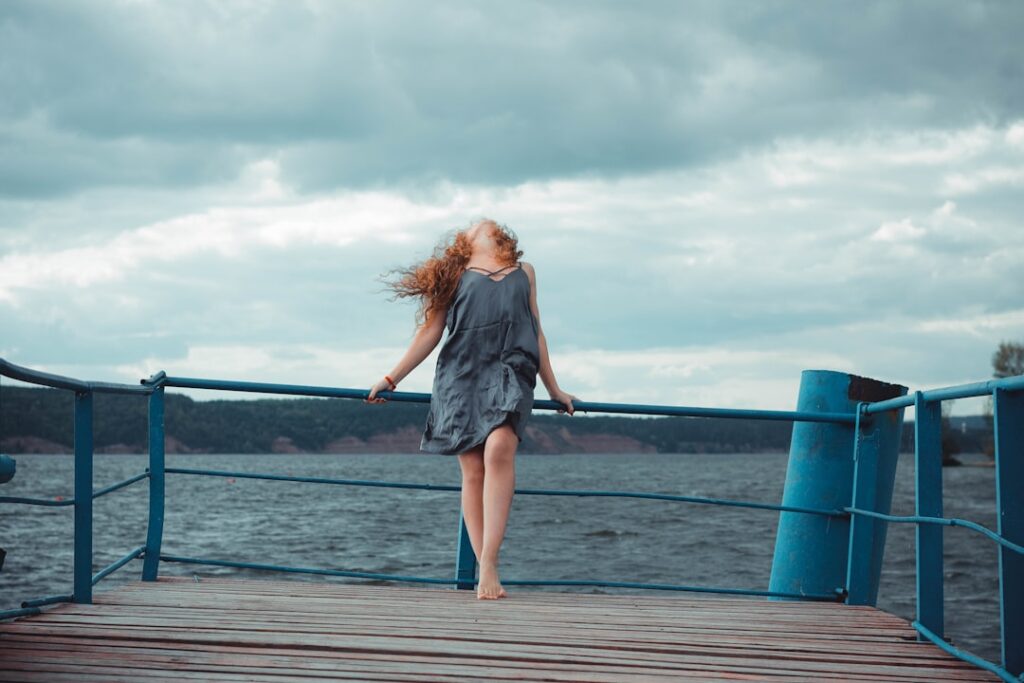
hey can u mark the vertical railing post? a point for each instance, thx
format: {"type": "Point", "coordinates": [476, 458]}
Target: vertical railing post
{"type": "Point", "coordinates": [83, 497]}
{"type": "Point", "coordinates": [1009, 437]}
{"type": "Point", "coordinates": [928, 503]}
{"type": "Point", "coordinates": [155, 532]}
{"type": "Point", "coordinates": [465, 561]}
{"type": "Point", "coordinates": [811, 551]}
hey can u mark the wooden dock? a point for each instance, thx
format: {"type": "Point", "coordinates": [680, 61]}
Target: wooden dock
{"type": "Point", "coordinates": [176, 629]}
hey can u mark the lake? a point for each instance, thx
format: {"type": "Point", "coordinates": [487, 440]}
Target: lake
{"type": "Point", "coordinates": [413, 532]}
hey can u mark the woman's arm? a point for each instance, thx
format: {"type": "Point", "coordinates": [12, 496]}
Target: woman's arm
{"type": "Point", "coordinates": [545, 371]}
{"type": "Point", "coordinates": [427, 337]}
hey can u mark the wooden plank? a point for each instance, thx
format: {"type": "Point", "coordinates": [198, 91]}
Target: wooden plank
{"type": "Point", "coordinates": [567, 671]}
{"type": "Point", "coordinates": [324, 609]}
{"type": "Point", "coordinates": [533, 652]}
{"type": "Point", "coordinates": [428, 623]}
{"type": "Point", "coordinates": [261, 664]}
{"type": "Point", "coordinates": [308, 655]}
{"type": "Point", "coordinates": [227, 629]}
{"type": "Point", "coordinates": [540, 633]}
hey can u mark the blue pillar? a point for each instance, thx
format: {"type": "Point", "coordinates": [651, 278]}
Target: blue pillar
{"type": "Point", "coordinates": [1009, 433]}
{"type": "Point", "coordinates": [465, 561]}
{"type": "Point", "coordinates": [83, 498]}
{"type": "Point", "coordinates": [155, 533]}
{"type": "Point", "coordinates": [811, 551]}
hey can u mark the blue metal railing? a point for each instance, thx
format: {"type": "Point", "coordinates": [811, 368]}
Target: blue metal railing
{"type": "Point", "coordinates": [1008, 431]}
{"type": "Point", "coordinates": [1009, 465]}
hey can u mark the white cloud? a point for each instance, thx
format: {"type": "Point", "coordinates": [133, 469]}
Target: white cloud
{"type": "Point", "coordinates": [305, 364]}
{"type": "Point", "coordinates": [1015, 135]}
{"type": "Point", "coordinates": [897, 231]}
{"type": "Point", "coordinates": [706, 286]}
{"type": "Point", "coordinates": [935, 148]}
{"type": "Point", "coordinates": [719, 376]}
{"type": "Point", "coordinates": [264, 179]}
{"type": "Point", "coordinates": [982, 179]}
{"type": "Point", "coordinates": [947, 209]}
{"type": "Point", "coordinates": [978, 325]}
{"type": "Point", "coordinates": [225, 231]}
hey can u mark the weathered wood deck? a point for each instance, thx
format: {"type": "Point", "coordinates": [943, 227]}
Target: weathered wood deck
{"type": "Point", "coordinates": [244, 630]}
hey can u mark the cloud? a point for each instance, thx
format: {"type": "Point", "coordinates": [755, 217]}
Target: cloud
{"type": "Point", "coordinates": [371, 96]}
{"type": "Point", "coordinates": [981, 179]}
{"type": "Point", "coordinates": [697, 286]}
{"type": "Point", "coordinates": [714, 196]}
{"type": "Point", "coordinates": [1015, 135]}
{"type": "Point", "coordinates": [897, 231]}
{"type": "Point", "coordinates": [979, 325]}
{"type": "Point", "coordinates": [223, 231]}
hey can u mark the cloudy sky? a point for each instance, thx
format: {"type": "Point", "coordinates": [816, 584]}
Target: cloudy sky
{"type": "Point", "coordinates": [715, 195]}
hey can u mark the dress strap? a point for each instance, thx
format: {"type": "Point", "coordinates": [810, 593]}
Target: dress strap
{"type": "Point", "coordinates": [492, 272]}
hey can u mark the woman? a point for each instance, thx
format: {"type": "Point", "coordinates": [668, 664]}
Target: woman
{"type": "Point", "coordinates": [487, 369]}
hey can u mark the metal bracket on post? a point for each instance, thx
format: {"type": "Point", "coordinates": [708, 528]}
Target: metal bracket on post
{"type": "Point", "coordinates": [465, 561]}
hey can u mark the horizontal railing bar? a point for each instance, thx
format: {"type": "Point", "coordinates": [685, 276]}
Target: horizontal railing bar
{"type": "Point", "coordinates": [61, 382]}
{"type": "Point", "coordinates": [510, 582]}
{"type": "Point", "coordinates": [23, 612]}
{"type": "Point", "coordinates": [37, 501]}
{"type": "Point", "coordinates": [547, 404]}
{"type": "Point", "coordinates": [121, 484]}
{"type": "Point", "coordinates": [48, 600]}
{"type": "Point", "coordinates": [300, 570]}
{"type": "Point", "coordinates": [945, 521]}
{"type": "Point", "coordinates": [686, 499]}
{"type": "Point", "coordinates": [312, 480]}
{"type": "Point", "coordinates": [114, 566]}
{"type": "Point", "coordinates": [71, 501]}
{"type": "Point", "coordinates": [539, 492]}
{"type": "Point", "coordinates": [38, 377]}
{"type": "Point", "coordinates": [964, 654]}
{"type": "Point", "coordinates": [1015, 383]}
{"type": "Point", "coordinates": [68, 597]}
{"type": "Point", "coordinates": [113, 388]}
{"type": "Point", "coordinates": [696, 411]}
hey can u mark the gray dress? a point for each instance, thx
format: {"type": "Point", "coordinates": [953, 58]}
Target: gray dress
{"type": "Point", "coordinates": [487, 368]}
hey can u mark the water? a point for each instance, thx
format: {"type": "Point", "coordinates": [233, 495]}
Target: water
{"type": "Point", "coordinates": [413, 532]}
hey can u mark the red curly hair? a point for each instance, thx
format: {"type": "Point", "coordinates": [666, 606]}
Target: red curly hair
{"type": "Point", "coordinates": [434, 280]}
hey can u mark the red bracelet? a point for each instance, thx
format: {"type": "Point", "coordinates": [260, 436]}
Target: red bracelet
{"type": "Point", "coordinates": [391, 382]}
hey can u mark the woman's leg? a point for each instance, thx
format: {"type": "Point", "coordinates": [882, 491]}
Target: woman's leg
{"type": "Point", "coordinates": [472, 464]}
{"type": "Point", "coordinates": [499, 485]}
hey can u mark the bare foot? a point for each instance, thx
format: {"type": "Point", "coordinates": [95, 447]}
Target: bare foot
{"type": "Point", "coordinates": [489, 587]}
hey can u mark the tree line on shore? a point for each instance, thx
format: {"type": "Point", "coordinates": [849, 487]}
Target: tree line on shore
{"type": "Point", "coordinates": [44, 416]}
{"type": "Point", "coordinates": [35, 419]}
